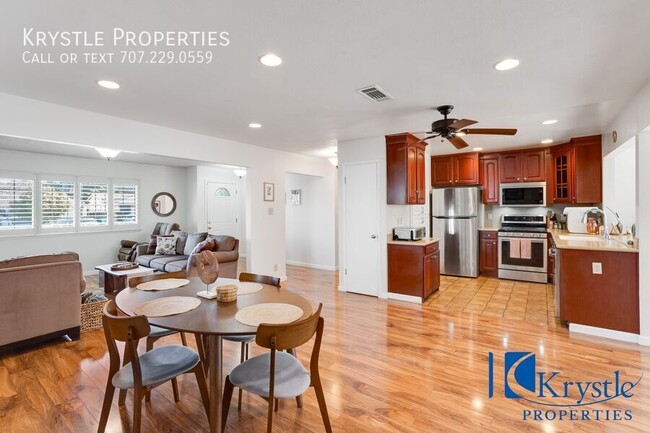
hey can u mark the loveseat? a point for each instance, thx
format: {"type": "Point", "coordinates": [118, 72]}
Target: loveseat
{"type": "Point", "coordinates": [129, 249]}
{"type": "Point", "coordinates": [224, 248]}
{"type": "Point", "coordinates": [40, 299]}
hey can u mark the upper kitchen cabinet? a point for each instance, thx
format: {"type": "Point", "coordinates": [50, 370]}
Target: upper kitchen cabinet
{"type": "Point", "coordinates": [577, 171]}
{"type": "Point", "coordinates": [489, 178]}
{"type": "Point", "coordinates": [523, 166]}
{"type": "Point", "coordinates": [455, 170]}
{"type": "Point", "coordinates": [405, 155]}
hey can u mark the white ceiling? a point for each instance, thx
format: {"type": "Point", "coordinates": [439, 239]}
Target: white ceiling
{"type": "Point", "coordinates": [580, 61]}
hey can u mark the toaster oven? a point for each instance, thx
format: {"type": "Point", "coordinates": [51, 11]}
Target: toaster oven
{"type": "Point", "coordinates": [409, 233]}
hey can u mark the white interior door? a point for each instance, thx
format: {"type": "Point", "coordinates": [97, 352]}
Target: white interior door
{"type": "Point", "coordinates": [361, 271]}
{"type": "Point", "coordinates": [222, 203]}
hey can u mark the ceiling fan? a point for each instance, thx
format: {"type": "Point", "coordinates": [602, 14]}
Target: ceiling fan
{"type": "Point", "coordinates": [453, 129]}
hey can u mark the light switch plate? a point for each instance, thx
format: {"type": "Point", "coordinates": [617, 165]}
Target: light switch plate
{"type": "Point", "coordinates": [597, 268]}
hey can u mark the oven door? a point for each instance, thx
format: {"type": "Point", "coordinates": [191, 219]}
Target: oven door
{"type": "Point", "coordinates": [537, 262]}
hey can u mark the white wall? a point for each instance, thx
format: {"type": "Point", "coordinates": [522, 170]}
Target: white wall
{"type": "Point", "coordinates": [29, 118]}
{"type": "Point", "coordinates": [631, 122]}
{"type": "Point", "coordinates": [196, 188]}
{"type": "Point", "coordinates": [619, 182]}
{"type": "Point", "coordinates": [99, 247]}
{"type": "Point", "coordinates": [310, 225]}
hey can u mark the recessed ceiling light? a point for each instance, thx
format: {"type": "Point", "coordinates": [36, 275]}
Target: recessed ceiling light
{"type": "Point", "coordinates": [547, 141]}
{"type": "Point", "coordinates": [270, 60]}
{"type": "Point", "coordinates": [549, 122]}
{"type": "Point", "coordinates": [477, 149]}
{"type": "Point", "coordinates": [254, 125]}
{"type": "Point", "coordinates": [108, 84]}
{"type": "Point", "coordinates": [506, 64]}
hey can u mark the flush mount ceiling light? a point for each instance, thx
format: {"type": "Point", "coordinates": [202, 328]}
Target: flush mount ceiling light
{"type": "Point", "coordinates": [549, 122]}
{"type": "Point", "coordinates": [240, 172]}
{"type": "Point", "coordinates": [254, 125]}
{"type": "Point", "coordinates": [506, 64]}
{"type": "Point", "coordinates": [547, 141]}
{"type": "Point", "coordinates": [107, 153]}
{"type": "Point", "coordinates": [478, 149]}
{"type": "Point", "coordinates": [270, 59]}
{"type": "Point", "coordinates": [108, 84]}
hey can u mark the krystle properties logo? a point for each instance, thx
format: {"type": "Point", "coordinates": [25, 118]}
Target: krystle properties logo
{"type": "Point", "coordinates": [564, 399]}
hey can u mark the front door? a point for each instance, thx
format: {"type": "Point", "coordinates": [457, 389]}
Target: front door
{"type": "Point", "coordinates": [361, 267]}
{"type": "Point", "coordinates": [222, 204]}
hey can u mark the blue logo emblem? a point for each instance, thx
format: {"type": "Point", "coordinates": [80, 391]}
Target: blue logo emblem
{"type": "Point", "coordinates": [565, 399]}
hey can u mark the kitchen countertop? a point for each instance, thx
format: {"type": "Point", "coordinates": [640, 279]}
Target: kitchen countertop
{"type": "Point", "coordinates": [488, 229]}
{"type": "Point", "coordinates": [421, 243]}
{"type": "Point", "coordinates": [579, 241]}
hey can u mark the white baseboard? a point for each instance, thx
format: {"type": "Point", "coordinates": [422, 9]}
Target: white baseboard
{"type": "Point", "coordinates": [405, 298]}
{"type": "Point", "coordinates": [91, 273]}
{"type": "Point", "coordinates": [607, 333]}
{"type": "Point", "coordinates": [283, 278]}
{"type": "Point", "coordinates": [341, 288]}
{"type": "Point", "coordinates": [313, 266]}
{"type": "Point", "coordinates": [644, 341]}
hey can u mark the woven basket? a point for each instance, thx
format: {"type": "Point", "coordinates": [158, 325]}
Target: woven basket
{"type": "Point", "coordinates": [91, 315]}
{"type": "Point", "coordinates": [227, 293]}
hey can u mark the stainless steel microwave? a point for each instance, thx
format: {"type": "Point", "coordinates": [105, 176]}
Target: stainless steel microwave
{"type": "Point", "coordinates": [523, 194]}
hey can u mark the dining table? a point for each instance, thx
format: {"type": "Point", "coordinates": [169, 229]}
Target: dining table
{"type": "Point", "coordinates": [210, 322]}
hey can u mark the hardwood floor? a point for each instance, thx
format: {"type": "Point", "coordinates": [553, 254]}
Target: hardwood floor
{"type": "Point", "coordinates": [387, 366]}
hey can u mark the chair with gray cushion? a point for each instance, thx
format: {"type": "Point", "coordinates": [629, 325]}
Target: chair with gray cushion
{"type": "Point", "coordinates": [245, 340]}
{"type": "Point", "coordinates": [129, 250]}
{"type": "Point", "coordinates": [142, 373]}
{"type": "Point", "coordinates": [277, 374]}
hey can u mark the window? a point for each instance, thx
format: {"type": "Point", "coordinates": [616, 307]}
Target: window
{"type": "Point", "coordinates": [125, 204]}
{"type": "Point", "coordinates": [57, 204]}
{"type": "Point", "coordinates": [93, 204]}
{"type": "Point", "coordinates": [16, 203]}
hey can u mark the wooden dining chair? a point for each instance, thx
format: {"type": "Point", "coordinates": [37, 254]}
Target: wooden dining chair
{"type": "Point", "coordinates": [277, 374]}
{"type": "Point", "coordinates": [142, 373]}
{"type": "Point", "coordinates": [246, 340]}
{"type": "Point", "coordinates": [156, 332]}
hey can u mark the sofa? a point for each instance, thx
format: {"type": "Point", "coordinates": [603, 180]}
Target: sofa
{"type": "Point", "coordinates": [129, 249]}
{"type": "Point", "coordinates": [41, 299]}
{"type": "Point", "coordinates": [224, 248]}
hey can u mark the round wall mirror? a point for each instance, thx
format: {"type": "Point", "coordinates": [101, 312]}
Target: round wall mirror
{"type": "Point", "coordinates": [163, 204]}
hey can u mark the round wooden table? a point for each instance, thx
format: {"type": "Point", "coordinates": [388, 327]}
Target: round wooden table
{"type": "Point", "coordinates": [213, 320]}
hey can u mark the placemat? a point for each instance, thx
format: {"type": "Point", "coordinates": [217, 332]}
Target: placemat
{"type": "Point", "coordinates": [247, 287]}
{"type": "Point", "coordinates": [163, 284]}
{"type": "Point", "coordinates": [167, 306]}
{"type": "Point", "coordinates": [268, 313]}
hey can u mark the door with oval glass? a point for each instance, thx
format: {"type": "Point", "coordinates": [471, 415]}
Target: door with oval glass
{"type": "Point", "coordinates": [222, 204]}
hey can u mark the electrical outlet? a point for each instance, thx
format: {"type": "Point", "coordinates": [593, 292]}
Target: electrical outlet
{"type": "Point", "coordinates": [596, 268]}
{"type": "Point", "coordinates": [489, 216]}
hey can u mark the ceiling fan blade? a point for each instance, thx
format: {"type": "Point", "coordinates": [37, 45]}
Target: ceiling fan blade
{"type": "Point", "coordinates": [462, 123]}
{"type": "Point", "coordinates": [458, 142]}
{"type": "Point", "coordinates": [490, 131]}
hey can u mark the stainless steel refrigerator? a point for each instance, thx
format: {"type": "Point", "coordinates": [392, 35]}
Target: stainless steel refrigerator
{"type": "Point", "coordinates": [454, 220]}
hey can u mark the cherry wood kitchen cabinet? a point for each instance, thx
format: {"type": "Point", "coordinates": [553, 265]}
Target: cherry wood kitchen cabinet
{"type": "Point", "coordinates": [489, 178]}
{"type": "Point", "coordinates": [413, 268]}
{"type": "Point", "coordinates": [522, 166]}
{"type": "Point", "coordinates": [455, 170]}
{"type": "Point", "coordinates": [577, 171]}
{"type": "Point", "coordinates": [488, 253]}
{"type": "Point", "coordinates": [406, 180]}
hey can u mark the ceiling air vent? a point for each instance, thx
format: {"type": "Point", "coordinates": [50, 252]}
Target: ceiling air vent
{"type": "Point", "coordinates": [375, 93]}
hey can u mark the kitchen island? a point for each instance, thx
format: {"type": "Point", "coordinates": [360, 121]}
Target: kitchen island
{"type": "Point", "coordinates": [597, 281]}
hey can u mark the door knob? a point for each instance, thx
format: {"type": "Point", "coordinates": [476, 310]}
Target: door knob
{"type": "Point", "coordinates": [373, 236]}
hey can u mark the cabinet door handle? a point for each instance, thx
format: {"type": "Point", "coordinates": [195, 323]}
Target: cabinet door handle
{"type": "Point", "coordinates": [525, 178]}
{"type": "Point", "coordinates": [373, 236]}
{"type": "Point", "coordinates": [518, 179]}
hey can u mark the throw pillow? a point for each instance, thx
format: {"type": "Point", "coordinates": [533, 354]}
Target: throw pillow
{"type": "Point", "coordinates": [181, 239]}
{"type": "Point", "coordinates": [193, 239]}
{"type": "Point", "coordinates": [151, 249]}
{"type": "Point", "coordinates": [166, 245]}
{"type": "Point", "coordinates": [207, 245]}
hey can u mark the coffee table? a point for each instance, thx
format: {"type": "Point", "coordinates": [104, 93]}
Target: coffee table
{"type": "Point", "coordinates": [114, 281]}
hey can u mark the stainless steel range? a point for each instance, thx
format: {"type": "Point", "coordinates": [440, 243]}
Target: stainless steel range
{"type": "Point", "coordinates": [523, 248]}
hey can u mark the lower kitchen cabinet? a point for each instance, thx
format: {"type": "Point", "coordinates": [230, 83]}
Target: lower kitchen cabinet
{"type": "Point", "coordinates": [413, 268]}
{"type": "Point", "coordinates": [488, 253]}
